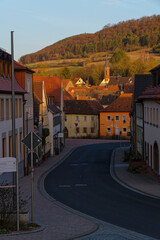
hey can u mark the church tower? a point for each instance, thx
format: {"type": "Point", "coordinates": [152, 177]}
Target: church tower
{"type": "Point", "coordinates": [106, 71]}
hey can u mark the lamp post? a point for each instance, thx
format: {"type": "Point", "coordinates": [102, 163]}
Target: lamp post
{"type": "Point", "coordinates": [15, 176]}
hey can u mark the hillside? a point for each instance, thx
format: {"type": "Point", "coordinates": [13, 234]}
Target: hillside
{"type": "Point", "coordinates": [129, 35]}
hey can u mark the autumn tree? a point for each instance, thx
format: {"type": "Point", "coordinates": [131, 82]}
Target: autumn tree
{"type": "Point", "coordinates": [66, 74]}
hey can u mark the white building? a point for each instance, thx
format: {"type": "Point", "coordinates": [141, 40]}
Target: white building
{"type": "Point", "coordinates": [6, 116]}
{"type": "Point", "coordinates": [151, 102]}
{"type": "Point", "coordinates": [54, 116]}
{"type": "Point", "coordinates": [24, 77]}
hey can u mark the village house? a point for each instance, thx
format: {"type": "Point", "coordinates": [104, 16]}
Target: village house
{"type": "Point", "coordinates": [67, 83]}
{"type": "Point", "coordinates": [6, 116]}
{"type": "Point", "coordinates": [54, 116]}
{"type": "Point", "coordinates": [41, 120]}
{"type": "Point", "coordinates": [24, 76]}
{"type": "Point", "coordinates": [141, 81]}
{"type": "Point", "coordinates": [115, 119]}
{"type": "Point", "coordinates": [82, 118]}
{"type": "Point", "coordinates": [150, 99]}
{"type": "Point", "coordinates": [52, 88]}
{"type": "Point", "coordinates": [80, 82]}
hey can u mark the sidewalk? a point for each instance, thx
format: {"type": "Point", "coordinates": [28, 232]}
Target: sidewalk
{"type": "Point", "coordinates": [143, 183]}
{"type": "Point", "coordinates": [62, 223]}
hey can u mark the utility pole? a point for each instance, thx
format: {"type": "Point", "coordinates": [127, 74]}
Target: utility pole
{"type": "Point", "coordinates": [15, 177]}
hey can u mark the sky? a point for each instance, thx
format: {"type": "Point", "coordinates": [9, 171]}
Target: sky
{"type": "Point", "coordinates": [40, 23]}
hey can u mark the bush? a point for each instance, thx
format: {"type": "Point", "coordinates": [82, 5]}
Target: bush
{"type": "Point", "coordinates": [8, 204]}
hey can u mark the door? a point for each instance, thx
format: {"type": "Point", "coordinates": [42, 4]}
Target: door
{"type": "Point", "coordinates": [156, 157]}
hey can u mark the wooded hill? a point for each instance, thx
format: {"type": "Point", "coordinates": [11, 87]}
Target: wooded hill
{"type": "Point", "coordinates": [129, 35]}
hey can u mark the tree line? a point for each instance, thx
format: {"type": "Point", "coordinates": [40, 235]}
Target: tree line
{"type": "Point", "coordinates": [129, 35]}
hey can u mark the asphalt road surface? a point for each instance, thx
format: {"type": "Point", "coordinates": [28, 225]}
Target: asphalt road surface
{"type": "Point", "coordinates": [83, 182]}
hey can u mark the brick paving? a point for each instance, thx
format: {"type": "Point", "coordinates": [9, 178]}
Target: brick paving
{"type": "Point", "coordinates": [62, 223]}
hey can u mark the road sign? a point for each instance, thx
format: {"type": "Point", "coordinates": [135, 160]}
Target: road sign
{"type": "Point", "coordinates": [8, 164]}
{"type": "Point", "coordinates": [35, 159]}
{"type": "Point", "coordinates": [36, 140]}
{"type": "Point", "coordinates": [60, 135]}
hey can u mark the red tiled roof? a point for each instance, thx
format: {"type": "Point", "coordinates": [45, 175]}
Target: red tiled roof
{"type": "Point", "coordinates": [128, 88]}
{"type": "Point", "coordinates": [98, 87]}
{"type": "Point", "coordinates": [18, 66]}
{"type": "Point", "coordinates": [6, 85]}
{"type": "Point", "coordinates": [122, 104]}
{"type": "Point", "coordinates": [65, 82]}
{"type": "Point", "coordinates": [67, 96]}
{"type": "Point", "coordinates": [151, 93]}
{"type": "Point", "coordinates": [78, 89]}
{"type": "Point", "coordinates": [37, 90]}
{"type": "Point", "coordinates": [120, 80]}
{"type": "Point", "coordinates": [54, 109]}
{"type": "Point", "coordinates": [52, 86]}
{"type": "Point", "coordinates": [87, 107]}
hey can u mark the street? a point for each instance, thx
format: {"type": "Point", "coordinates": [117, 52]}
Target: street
{"type": "Point", "coordinates": [83, 182]}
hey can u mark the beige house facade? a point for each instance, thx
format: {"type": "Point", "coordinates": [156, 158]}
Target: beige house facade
{"type": "Point", "coordinates": [82, 118]}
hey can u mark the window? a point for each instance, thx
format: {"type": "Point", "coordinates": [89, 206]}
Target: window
{"type": "Point", "coordinates": [147, 115]}
{"type": "Point", "coordinates": [20, 143]}
{"type": "Point", "coordinates": [117, 118]}
{"type": "Point", "coordinates": [108, 130]}
{"type": "Point", "coordinates": [7, 109]}
{"type": "Point", "coordinates": [1, 72]}
{"type": "Point", "coordinates": [124, 118]}
{"type": "Point", "coordinates": [108, 118]}
{"type": "Point", "coordinates": [56, 120]}
{"type": "Point", "coordinates": [92, 118]}
{"type": "Point", "coordinates": [20, 108]}
{"type": "Point", "coordinates": [16, 138]}
{"type": "Point", "coordinates": [153, 116]}
{"type": "Point", "coordinates": [2, 109]}
{"type": "Point", "coordinates": [84, 130]}
{"type": "Point", "coordinates": [124, 130]}
{"type": "Point", "coordinates": [3, 66]}
{"type": "Point", "coordinates": [85, 118]}
{"type": "Point", "coordinates": [11, 108]}
{"type": "Point", "coordinates": [10, 146]}
{"type": "Point", "coordinates": [3, 147]}
{"type": "Point", "coordinates": [92, 129]}
{"type": "Point", "coordinates": [77, 129]}
{"type": "Point", "coordinates": [16, 108]}
{"type": "Point", "coordinates": [77, 118]}
{"type": "Point", "coordinates": [150, 115]}
{"type": "Point", "coordinates": [157, 117]}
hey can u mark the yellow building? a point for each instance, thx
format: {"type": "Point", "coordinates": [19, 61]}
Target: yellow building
{"type": "Point", "coordinates": [115, 119]}
{"type": "Point", "coordinates": [82, 118]}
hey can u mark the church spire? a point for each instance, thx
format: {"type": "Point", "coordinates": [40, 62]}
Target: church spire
{"type": "Point", "coordinates": [106, 71]}
{"type": "Point", "coordinates": [106, 63]}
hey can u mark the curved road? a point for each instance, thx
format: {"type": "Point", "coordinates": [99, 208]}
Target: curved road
{"type": "Point", "coordinates": [83, 182]}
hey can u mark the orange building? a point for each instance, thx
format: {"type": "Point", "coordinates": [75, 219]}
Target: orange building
{"type": "Point", "coordinates": [115, 119]}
